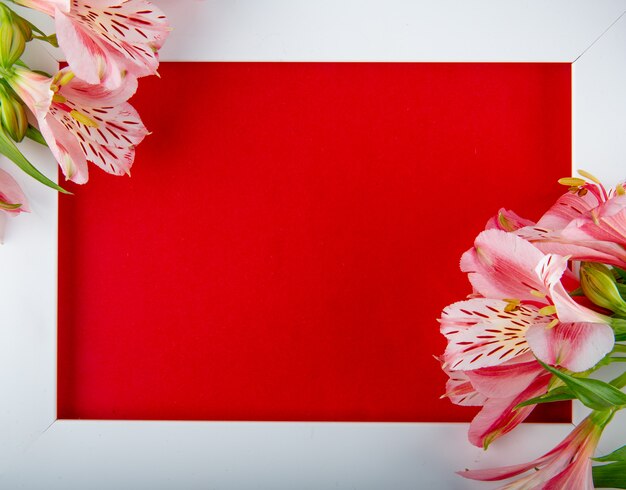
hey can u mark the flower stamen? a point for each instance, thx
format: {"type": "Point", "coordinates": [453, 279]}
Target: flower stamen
{"type": "Point", "coordinates": [552, 324]}
{"type": "Point", "coordinates": [81, 118]}
{"type": "Point", "coordinates": [548, 310]}
{"type": "Point", "coordinates": [513, 304]}
{"type": "Point", "coordinates": [574, 182]}
{"type": "Point", "coordinates": [537, 294]}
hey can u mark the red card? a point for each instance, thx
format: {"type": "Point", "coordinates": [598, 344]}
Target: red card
{"type": "Point", "coordinates": [290, 234]}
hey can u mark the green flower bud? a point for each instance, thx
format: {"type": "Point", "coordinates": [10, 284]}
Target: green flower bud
{"type": "Point", "coordinates": [13, 116]}
{"type": "Point", "coordinates": [24, 26]}
{"type": "Point", "coordinates": [15, 32]}
{"type": "Point", "coordinates": [12, 43]}
{"type": "Point", "coordinates": [5, 13]}
{"type": "Point", "coordinates": [599, 285]}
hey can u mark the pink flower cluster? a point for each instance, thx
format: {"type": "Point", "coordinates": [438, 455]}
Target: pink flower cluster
{"type": "Point", "coordinates": [82, 112]}
{"type": "Point", "coordinates": [526, 306]}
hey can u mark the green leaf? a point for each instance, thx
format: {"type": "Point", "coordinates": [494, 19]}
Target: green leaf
{"type": "Point", "coordinates": [593, 393]}
{"type": "Point", "coordinates": [617, 455]}
{"type": "Point", "coordinates": [620, 381]}
{"type": "Point", "coordinates": [8, 149]}
{"type": "Point", "coordinates": [34, 134]}
{"type": "Point", "coordinates": [556, 395]}
{"type": "Point", "coordinates": [610, 475]}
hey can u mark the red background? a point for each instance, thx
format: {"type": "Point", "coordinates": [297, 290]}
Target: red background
{"type": "Point", "coordinates": [290, 234]}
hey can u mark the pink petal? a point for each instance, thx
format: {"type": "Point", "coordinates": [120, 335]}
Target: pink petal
{"type": "Point", "coordinates": [615, 205]}
{"type": "Point", "coordinates": [113, 160]}
{"type": "Point", "coordinates": [569, 310]}
{"type": "Point", "coordinates": [10, 192]}
{"type": "Point", "coordinates": [65, 149]}
{"type": "Point", "coordinates": [507, 379]}
{"type": "Point", "coordinates": [33, 88]}
{"type": "Point", "coordinates": [109, 140]}
{"type": "Point", "coordinates": [460, 390]}
{"type": "Point", "coordinates": [594, 251]}
{"type": "Point", "coordinates": [85, 53]}
{"type": "Point", "coordinates": [105, 41]}
{"type": "Point", "coordinates": [588, 230]}
{"type": "Point", "coordinates": [567, 208]}
{"type": "Point", "coordinates": [496, 474]}
{"type": "Point", "coordinates": [140, 22]}
{"type": "Point", "coordinates": [585, 228]}
{"type": "Point", "coordinates": [577, 475]}
{"type": "Point", "coordinates": [581, 248]}
{"type": "Point", "coordinates": [615, 224]}
{"type": "Point", "coordinates": [111, 144]}
{"type": "Point", "coordinates": [83, 94]}
{"type": "Point", "coordinates": [607, 223]}
{"type": "Point", "coordinates": [534, 480]}
{"type": "Point", "coordinates": [498, 416]}
{"type": "Point", "coordinates": [550, 269]}
{"type": "Point", "coordinates": [581, 447]}
{"type": "Point", "coordinates": [501, 265]}
{"type": "Point", "coordinates": [481, 332]}
{"type": "Point", "coordinates": [507, 220]}
{"type": "Point", "coordinates": [46, 6]}
{"type": "Point", "coordinates": [575, 346]}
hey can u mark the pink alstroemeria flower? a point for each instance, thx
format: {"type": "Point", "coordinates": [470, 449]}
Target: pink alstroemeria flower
{"type": "Point", "coordinates": [105, 40]}
{"type": "Point", "coordinates": [12, 200]}
{"type": "Point", "coordinates": [567, 466]}
{"type": "Point", "coordinates": [82, 122]}
{"type": "Point", "coordinates": [587, 223]}
{"type": "Point", "coordinates": [523, 307]}
{"type": "Point", "coordinates": [498, 389]}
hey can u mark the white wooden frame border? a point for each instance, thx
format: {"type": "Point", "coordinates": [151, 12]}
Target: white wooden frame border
{"type": "Point", "coordinates": [39, 451]}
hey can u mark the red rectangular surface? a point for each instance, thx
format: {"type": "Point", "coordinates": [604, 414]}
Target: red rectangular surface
{"type": "Point", "coordinates": [290, 234]}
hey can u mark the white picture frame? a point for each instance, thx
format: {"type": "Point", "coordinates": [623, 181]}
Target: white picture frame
{"type": "Point", "coordinates": [37, 451]}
